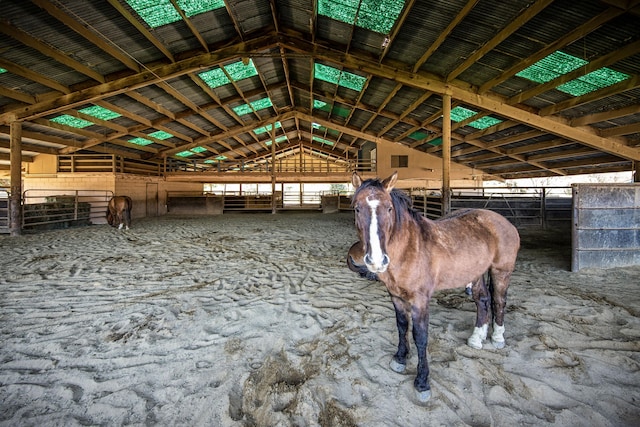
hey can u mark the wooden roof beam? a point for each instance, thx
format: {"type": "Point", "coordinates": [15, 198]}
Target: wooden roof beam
{"type": "Point", "coordinates": [144, 78]}
{"type": "Point", "coordinates": [502, 35]}
{"type": "Point", "coordinates": [460, 92]}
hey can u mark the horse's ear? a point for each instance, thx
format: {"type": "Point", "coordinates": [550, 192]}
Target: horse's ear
{"type": "Point", "coordinates": [390, 182]}
{"type": "Point", "coordinates": [356, 181]}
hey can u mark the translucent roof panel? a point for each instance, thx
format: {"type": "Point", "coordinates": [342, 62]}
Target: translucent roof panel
{"type": "Point", "coordinates": [216, 159]}
{"type": "Point", "coordinates": [278, 140]}
{"type": "Point", "coordinates": [160, 134]}
{"type": "Point", "coordinates": [459, 114]}
{"type": "Point", "coordinates": [2, 70]}
{"type": "Point", "coordinates": [593, 81]}
{"type": "Point", "coordinates": [75, 122]}
{"type": "Point", "coordinates": [338, 77]}
{"type": "Point", "coordinates": [324, 129]}
{"type": "Point", "coordinates": [336, 110]}
{"type": "Point", "coordinates": [140, 141]}
{"type": "Point", "coordinates": [185, 153]}
{"type": "Point", "coordinates": [217, 77]}
{"type": "Point", "coordinates": [100, 112]}
{"type": "Point", "coordinates": [266, 128]}
{"type": "Point", "coordinates": [322, 140]}
{"type": "Point", "coordinates": [374, 15]}
{"type": "Point", "coordinates": [419, 135]}
{"type": "Point", "coordinates": [560, 63]}
{"type": "Point", "coordinates": [260, 104]}
{"type": "Point", "coordinates": [191, 152]}
{"type": "Point", "coordinates": [161, 12]}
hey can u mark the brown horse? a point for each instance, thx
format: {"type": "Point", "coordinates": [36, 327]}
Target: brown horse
{"type": "Point", "coordinates": [119, 211]}
{"type": "Point", "coordinates": [414, 256]}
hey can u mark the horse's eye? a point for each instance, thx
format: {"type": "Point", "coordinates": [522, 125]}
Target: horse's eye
{"type": "Point", "coordinates": [390, 209]}
{"type": "Point", "coordinates": [357, 209]}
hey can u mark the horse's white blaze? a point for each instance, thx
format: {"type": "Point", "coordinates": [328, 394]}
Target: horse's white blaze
{"type": "Point", "coordinates": [478, 336]}
{"type": "Point", "coordinates": [374, 239]}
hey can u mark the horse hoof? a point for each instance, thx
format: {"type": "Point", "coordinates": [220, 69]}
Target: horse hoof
{"type": "Point", "coordinates": [423, 396]}
{"type": "Point", "coordinates": [397, 367]}
{"type": "Point", "coordinates": [474, 343]}
{"type": "Point", "coordinates": [498, 344]}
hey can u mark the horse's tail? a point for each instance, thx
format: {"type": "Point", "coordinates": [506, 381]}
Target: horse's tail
{"type": "Point", "coordinates": [111, 218]}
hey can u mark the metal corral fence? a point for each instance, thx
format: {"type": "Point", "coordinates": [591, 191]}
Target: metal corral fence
{"type": "Point", "coordinates": [48, 209]}
{"type": "Point", "coordinates": [217, 202]}
{"type": "Point", "coordinates": [530, 206]}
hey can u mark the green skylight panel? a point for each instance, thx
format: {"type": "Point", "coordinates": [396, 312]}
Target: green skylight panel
{"type": "Point", "coordinates": [278, 140]}
{"type": "Point", "coordinates": [216, 159]}
{"type": "Point", "coordinates": [2, 70]}
{"type": "Point", "coordinates": [560, 63]}
{"type": "Point", "coordinates": [191, 152]}
{"type": "Point", "coordinates": [75, 122]}
{"type": "Point", "coordinates": [336, 110]}
{"type": "Point", "coordinates": [140, 141]}
{"type": "Point", "coordinates": [324, 129]}
{"type": "Point", "coordinates": [551, 67]}
{"type": "Point", "coordinates": [485, 122]}
{"type": "Point", "coordinates": [593, 81]}
{"type": "Point", "coordinates": [260, 104]}
{"type": "Point", "coordinates": [266, 128]}
{"type": "Point", "coordinates": [238, 70]}
{"type": "Point", "coordinates": [160, 134]}
{"type": "Point", "coordinates": [216, 77]}
{"type": "Point", "coordinates": [161, 12]}
{"type": "Point", "coordinates": [417, 135]}
{"type": "Point", "coordinates": [185, 153]}
{"type": "Point", "coordinates": [374, 15]}
{"type": "Point", "coordinates": [459, 114]}
{"type": "Point", "coordinates": [322, 140]}
{"type": "Point", "coordinates": [100, 112]}
{"type": "Point", "coordinates": [341, 78]}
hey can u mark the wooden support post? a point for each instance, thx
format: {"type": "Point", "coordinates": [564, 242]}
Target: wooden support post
{"type": "Point", "coordinates": [273, 168]}
{"type": "Point", "coordinates": [15, 201]}
{"type": "Point", "coordinates": [446, 154]}
{"type": "Point", "coordinates": [636, 173]}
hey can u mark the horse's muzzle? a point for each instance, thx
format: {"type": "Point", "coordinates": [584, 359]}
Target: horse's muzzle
{"type": "Point", "coordinates": [376, 267]}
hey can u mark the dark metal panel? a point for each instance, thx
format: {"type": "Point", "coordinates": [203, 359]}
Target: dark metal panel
{"type": "Point", "coordinates": [606, 225]}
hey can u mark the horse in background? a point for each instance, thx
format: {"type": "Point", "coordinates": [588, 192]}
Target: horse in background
{"type": "Point", "coordinates": [415, 256]}
{"type": "Point", "coordinates": [119, 211]}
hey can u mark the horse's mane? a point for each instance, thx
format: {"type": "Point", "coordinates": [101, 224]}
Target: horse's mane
{"type": "Point", "coordinates": [402, 203]}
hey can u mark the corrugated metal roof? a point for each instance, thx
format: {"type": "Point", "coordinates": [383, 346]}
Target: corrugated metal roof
{"type": "Point", "coordinates": [62, 56]}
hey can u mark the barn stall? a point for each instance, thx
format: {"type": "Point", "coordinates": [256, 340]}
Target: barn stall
{"type": "Point", "coordinates": [114, 97]}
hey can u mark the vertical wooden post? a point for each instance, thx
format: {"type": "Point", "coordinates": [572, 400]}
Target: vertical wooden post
{"type": "Point", "coordinates": [15, 201]}
{"type": "Point", "coordinates": [636, 174]}
{"type": "Point", "coordinates": [301, 157]}
{"type": "Point", "coordinates": [273, 168]}
{"type": "Point", "coordinates": [446, 154]}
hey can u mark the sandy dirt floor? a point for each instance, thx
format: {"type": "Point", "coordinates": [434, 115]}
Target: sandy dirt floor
{"type": "Point", "coordinates": [255, 320]}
